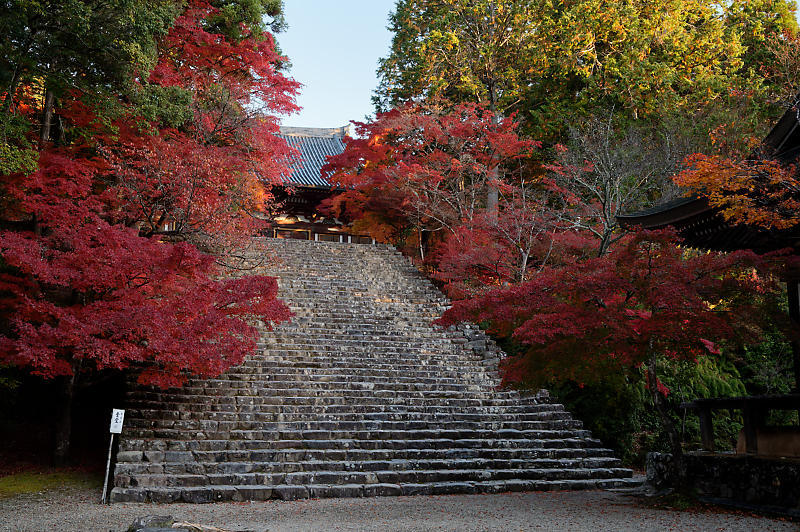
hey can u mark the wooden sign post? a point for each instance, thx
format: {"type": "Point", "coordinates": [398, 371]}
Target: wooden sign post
{"type": "Point", "coordinates": [117, 417]}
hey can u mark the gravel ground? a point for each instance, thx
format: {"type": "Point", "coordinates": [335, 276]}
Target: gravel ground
{"type": "Point", "coordinates": [76, 509]}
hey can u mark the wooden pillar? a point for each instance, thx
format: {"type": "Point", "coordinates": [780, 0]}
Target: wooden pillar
{"type": "Point", "coordinates": [706, 428]}
{"type": "Point", "coordinates": [751, 423]}
{"type": "Point", "coordinates": [793, 286]}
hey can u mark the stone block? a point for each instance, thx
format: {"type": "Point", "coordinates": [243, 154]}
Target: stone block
{"type": "Point", "coordinates": [290, 493]}
{"type": "Point", "coordinates": [382, 490]}
{"type": "Point", "coordinates": [127, 495]}
{"type": "Point", "coordinates": [342, 490]}
{"type": "Point", "coordinates": [253, 493]}
{"type": "Point", "coordinates": [163, 496]}
{"type": "Point", "coordinates": [151, 521]}
{"type": "Point", "coordinates": [154, 456]}
{"type": "Point", "coordinates": [129, 456]}
{"type": "Point", "coordinates": [197, 495]}
{"type": "Point", "coordinates": [178, 456]}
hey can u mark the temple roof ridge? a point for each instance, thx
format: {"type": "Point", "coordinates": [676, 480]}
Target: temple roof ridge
{"type": "Point", "coordinates": [324, 132]}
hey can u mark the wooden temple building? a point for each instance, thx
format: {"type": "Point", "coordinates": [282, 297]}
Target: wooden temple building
{"type": "Point", "coordinates": [307, 186]}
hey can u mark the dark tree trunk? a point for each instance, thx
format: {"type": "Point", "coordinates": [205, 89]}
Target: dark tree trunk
{"type": "Point", "coordinates": [492, 193]}
{"type": "Point", "coordinates": [676, 464]}
{"type": "Point", "coordinates": [661, 408]}
{"type": "Point", "coordinates": [492, 196]}
{"type": "Point", "coordinates": [64, 421]}
{"type": "Point", "coordinates": [47, 115]}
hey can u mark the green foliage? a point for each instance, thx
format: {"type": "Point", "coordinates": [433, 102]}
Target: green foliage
{"type": "Point", "coordinates": [612, 409]}
{"type": "Point", "coordinates": [16, 153]}
{"type": "Point", "coordinates": [767, 366]}
{"type": "Point", "coordinates": [767, 370]}
{"type": "Point", "coordinates": [619, 411]}
{"type": "Point", "coordinates": [756, 23]}
{"type": "Point", "coordinates": [167, 106]}
{"type": "Point", "coordinates": [89, 44]}
{"type": "Point", "coordinates": [260, 16]}
{"type": "Point", "coordinates": [711, 376]}
{"type": "Point", "coordinates": [463, 50]}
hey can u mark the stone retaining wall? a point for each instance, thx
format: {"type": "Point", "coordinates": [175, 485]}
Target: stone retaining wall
{"type": "Point", "coordinates": [748, 481]}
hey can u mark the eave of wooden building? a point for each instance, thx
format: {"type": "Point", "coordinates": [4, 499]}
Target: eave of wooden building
{"type": "Point", "coordinates": [702, 226]}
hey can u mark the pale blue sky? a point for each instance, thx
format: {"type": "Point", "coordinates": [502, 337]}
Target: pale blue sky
{"type": "Point", "coordinates": [334, 47]}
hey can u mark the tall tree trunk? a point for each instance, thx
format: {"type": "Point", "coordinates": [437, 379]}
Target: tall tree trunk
{"type": "Point", "coordinates": [47, 116]}
{"type": "Point", "coordinates": [8, 97]}
{"type": "Point", "coordinates": [493, 195]}
{"type": "Point", "coordinates": [64, 421]}
{"type": "Point", "coordinates": [523, 266]}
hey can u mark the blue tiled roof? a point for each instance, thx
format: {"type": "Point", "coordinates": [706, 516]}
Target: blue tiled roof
{"type": "Point", "coordinates": [313, 151]}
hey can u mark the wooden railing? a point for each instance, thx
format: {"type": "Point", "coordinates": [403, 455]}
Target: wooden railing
{"type": "Point", "coordinates": [320, 235]}
{"type": "Point", "coordinates": [754, 411]}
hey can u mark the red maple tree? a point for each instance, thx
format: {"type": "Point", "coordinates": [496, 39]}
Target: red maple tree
{"type": "Point", "coordinates": [760, 192]}
{"type": "Point", "coordinates": [647, 298]}
{"type": "Point", "coordinates": [419, 176]}
{"type": "Point", "coordinates": [86, 285]}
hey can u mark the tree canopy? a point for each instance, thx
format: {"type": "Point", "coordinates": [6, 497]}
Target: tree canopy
{"type": "Point", "coordinates": [556, 62]}
{"type": "Point", "coordinates": [122, 120]}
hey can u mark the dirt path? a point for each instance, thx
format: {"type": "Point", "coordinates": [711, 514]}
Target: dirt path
{"type": "Point", "coordinates": [71, 509]}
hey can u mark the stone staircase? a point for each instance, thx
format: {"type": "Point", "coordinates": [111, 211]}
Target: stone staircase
{"type": "Point", "coordinates": [359, 395]}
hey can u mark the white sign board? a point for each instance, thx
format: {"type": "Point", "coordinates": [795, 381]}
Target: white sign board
{"type": "Point", "coordinates": [116, 421]}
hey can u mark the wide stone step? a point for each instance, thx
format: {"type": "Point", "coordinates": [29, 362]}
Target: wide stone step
{"type": "Point", "coordinates": [232, 407]}
{"type": "Point", "coordinates": [376, 413]}
{"type": "Point", "coordinates": [319, 372]}
{"type": "Point", "coordinates": [361, 359]}
{"type": "Point", "coordinates": [299, 326]}
{"type": "Point", "coordinates": [253, 471]}
{"type": "Point", "coordinates": [576, 439]}
{"type": "Point", "coordinates": [433, 398]}
{"type": "Point", "coordinates": [373, 435]}
{"type": "Point", "coordinates": [405, 345]}
{"type": "Point", "coordinates": [382, 362]}
{"type": "Point", "coordinates": [315, 387]}
{"type": "Point", "coordinates": [305, 461]}
{"type": "Point", "coordinates": [246, 461]}
{"type": "Point", "coordinates": [293, 492]}
{"type": "Point", "coordinates": [240, 379]}
{"type": "Point", "coordinates": [347, 426]}
{"type": "Point", "coordinates": [290, 332]}
{"type": "Point", "coordinates": [371, 477]}
{"type": "Point", "coordinates": [379, 364]}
